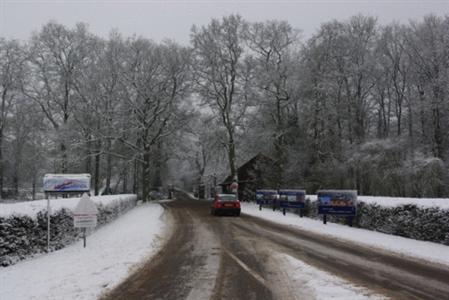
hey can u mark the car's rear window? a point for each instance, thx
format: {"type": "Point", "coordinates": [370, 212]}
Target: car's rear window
{"type": "Point", "coordinates": [227, 197]}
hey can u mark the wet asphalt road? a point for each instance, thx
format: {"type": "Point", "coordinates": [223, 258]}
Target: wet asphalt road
{"type": "Point", "coordinates": [209, 257]}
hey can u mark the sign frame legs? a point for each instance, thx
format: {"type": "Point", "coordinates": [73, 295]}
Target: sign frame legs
{"type": "Point", "coordinates": [48, 222]}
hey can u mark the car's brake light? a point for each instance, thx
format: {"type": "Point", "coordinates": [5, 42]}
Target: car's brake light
{"type": "Point", "coordinates": [237, 204]}
{"type": "Point", "coordinates": [217, 204]}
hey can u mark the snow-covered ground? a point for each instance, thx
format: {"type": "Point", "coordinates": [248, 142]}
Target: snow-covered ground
{"type": "Point", "coordinates": [75, 272]}
{"type": "Point", "coordinates": [423, 250]}
{"type": "Point", "coordinates": [31, 208]}
{"type": "Point", "coordinates": [442, 203]}
{"type": "Point", "coordinates": [312, 283]}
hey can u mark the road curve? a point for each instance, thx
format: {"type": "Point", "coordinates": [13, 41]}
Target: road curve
{"type": "Point", "coordinates": [210, 257]}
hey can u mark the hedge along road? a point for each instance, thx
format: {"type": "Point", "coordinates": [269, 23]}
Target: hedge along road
{"type": "Point", "coordinates": [210, 257]}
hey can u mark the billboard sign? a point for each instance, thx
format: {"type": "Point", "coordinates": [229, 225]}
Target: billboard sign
{"type": "Point", "coordinates": [337, 202]}
{"type": "Point", "coordinates": [266, 197]}
{"type": "Point", "coordinates": [292, 198]}
{"type": "Point", "coordinates": [67, 183]}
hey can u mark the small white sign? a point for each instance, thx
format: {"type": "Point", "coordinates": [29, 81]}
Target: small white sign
{"type": "Point", "coordinates": [83, 221]}
{"type": "Point", "coordinates": [85, 213]}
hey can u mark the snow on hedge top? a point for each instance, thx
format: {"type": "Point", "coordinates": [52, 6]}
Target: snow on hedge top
{"type": "Point", "coordinates": [31, 208]}
{"type": "Point", "coordinates": [441, 203]}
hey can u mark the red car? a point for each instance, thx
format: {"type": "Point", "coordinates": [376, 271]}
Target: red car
{"type": "Point", "coordinates": [225, 204]}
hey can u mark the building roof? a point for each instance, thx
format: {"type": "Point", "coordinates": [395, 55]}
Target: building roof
{"type": "Point", "coordinates": [259, 157]}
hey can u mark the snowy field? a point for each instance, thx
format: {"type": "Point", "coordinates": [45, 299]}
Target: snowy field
{"type": "Point", "coordinates": [403, 246]}
{"type": "Point", "coordinates": [31, 208]}
{"type": "Point", "coordinates": [75, 272]}
{"type": "Point", "coordinates": [442, 203]}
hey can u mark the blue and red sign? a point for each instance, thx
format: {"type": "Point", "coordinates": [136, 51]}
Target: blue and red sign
{"type": "Point", "coordinates": [292, 198]}
{"type": "Point", "coordinates": [337, 202]}
{"type": "Point", "coordinates": [66, 183]}
{"type": "Point", "coordinates": [266, 197]}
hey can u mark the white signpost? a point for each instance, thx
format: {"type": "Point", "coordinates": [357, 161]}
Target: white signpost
{"type": "Point", "coordinates": [85, 215]}
{"type": "Point", "coordinates": [63, 184]}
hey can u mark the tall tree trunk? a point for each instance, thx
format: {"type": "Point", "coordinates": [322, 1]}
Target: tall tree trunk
{"type": "Point", "coordinates": [108, 168]}
{"type": "Point", "coordinates": [34, 186]}
{"type": "Point", "coordinates": [88, 159]}
{"type": "Point", "coordinates": [410, 129]}
{"type": "Point", "coordinates": [146, 176]}
{"type": "Point", "coordinates": [15, 182]}
{"type": "Point", "coordinates": [2, 126]}
{"type": "Point", "coordinates": [349, 123]}
{"type": "Point", "coordinates": [231, 156]}
{"type": "Point", "coordinates": [399, 118]}
{"type": "Point", "coordinates": [424, 139]}
{"type": "Point", "coordinates": [280, 163]}
{"type": "Point", "coordinates": [136, 176]}
{"type": "Point", "coordinates": [125, 180]}
{"type": "Point", "coordinates": [279, 143]}
{"type": "Point", "coordinates": [437, 133]}
{"type": "Point", "coordinates": [15, 177]}
{"type": "Point", "coordinates": [97, 169]}
{"type": "Point", "coordinates": [157, 180]}
{"type": "Point", "coordinates": [1, 163]}
{"type": "Point", "coordinates": [63, 149]}
{"type": "Point", "coordinates": [65, 122]}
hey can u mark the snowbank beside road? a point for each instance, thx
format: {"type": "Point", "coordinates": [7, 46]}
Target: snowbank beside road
{"type": "Point", "coordinates": [31, 208]}
{"type": "Point", "coordinates": [423, 250]}
{"type": "Point", "coordinates": [312, 283]}
{"type": "Point", "coordinates": [442, 203]}
{"type": "Point", "coordinates": [75, 272]}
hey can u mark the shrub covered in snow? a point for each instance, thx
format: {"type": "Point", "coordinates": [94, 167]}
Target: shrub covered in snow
{"type": "Point", "coordinates": [427, 224]}
{"type": "Point", "coordinates": [407, 220]}
{"type": "Point", "coordinates": [24, 235]}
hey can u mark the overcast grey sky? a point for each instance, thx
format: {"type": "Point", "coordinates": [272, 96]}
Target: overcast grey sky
{"type": "Point", "coordinates": [173, 19]}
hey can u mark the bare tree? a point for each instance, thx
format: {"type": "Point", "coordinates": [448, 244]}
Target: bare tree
{"type": "Point", "coordinates": [427, 47]}
{"type": "Point", "coordinates": [26, 144]}
{"type": "Point", "coordinates": [274, 44]}
{"type": "Point", "coordinates": [157, 80]}
{"type": "Point", "coordinates": [395, 69]}
{"type": "Point", "coordinates": [56, 55]}
{"type": "Point", "coordinates": [11, 71]}
{"type": "Point", "coordinates": [223, 75]}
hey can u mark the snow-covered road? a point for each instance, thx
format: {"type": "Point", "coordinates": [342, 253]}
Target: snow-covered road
{"type": "Point", "coordinates": [403, 246]}
{"type": "Point", "coordinates": [259, 259]}
{"type": "Point", "coordinates": [74, 272]}
{"type": "Point", "coordinates": [207, 257]}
